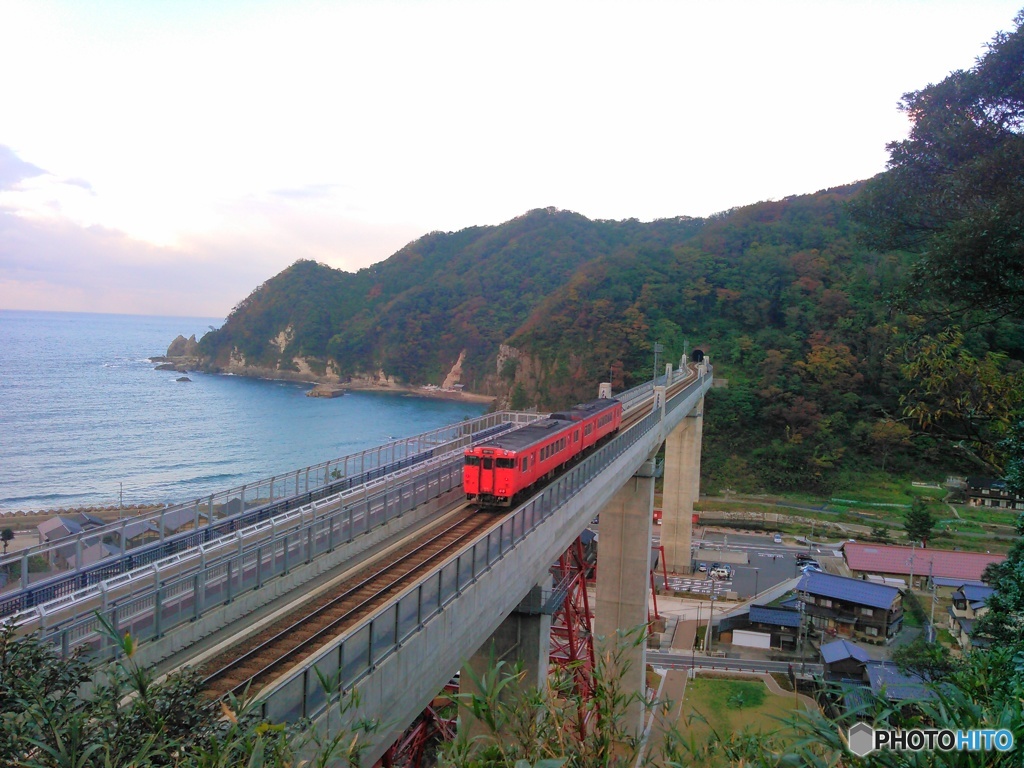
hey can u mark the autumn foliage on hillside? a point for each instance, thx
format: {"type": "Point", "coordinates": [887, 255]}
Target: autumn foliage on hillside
{"type": "Point", "coordinates": [792, 308]}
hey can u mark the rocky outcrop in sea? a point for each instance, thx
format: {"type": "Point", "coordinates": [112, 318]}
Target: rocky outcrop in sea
{"type": "Point", "coordinates": [182, 355]}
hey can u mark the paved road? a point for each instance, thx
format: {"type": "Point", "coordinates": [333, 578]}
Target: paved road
{"type": "Point", "coordinates": [677, 660]}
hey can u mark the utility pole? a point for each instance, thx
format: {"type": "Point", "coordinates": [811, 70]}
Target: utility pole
{"type": "Point", "coordinates": [913, 554]}
{"type": "Point", "coordinates": [693, 648]}
{"type": "Point", "coordinates": [933, 635]}
{"type": "Point", "coordinates": [707, 635]}
{"type": "Point", "coordinates": [657, 348]}
{"type": "Point", "coordinates": [801, 635]}
{"type": "Point", "coordinates": [120, 499]}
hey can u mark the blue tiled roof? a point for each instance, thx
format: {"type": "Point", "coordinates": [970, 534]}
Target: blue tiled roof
{"type": "Point", "coordinates": [843, 649]}
{"type": "Point", "coordinates": [850, 590]}
{"type": "Point", "coordinates": [897, 686]}
{"type": "Point", "coordinates": [782, 617]}
{"type": "Point", "coordinates": [973, 594]}
{"type": "Point", "coordinates": [951, 581]}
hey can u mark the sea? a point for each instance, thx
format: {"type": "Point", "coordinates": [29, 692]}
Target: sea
{"type": "Point", "coordinates": [87, 420]}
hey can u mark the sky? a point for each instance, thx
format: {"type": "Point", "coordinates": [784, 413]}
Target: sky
{"type": "Point", "coordinates": [166, 157]}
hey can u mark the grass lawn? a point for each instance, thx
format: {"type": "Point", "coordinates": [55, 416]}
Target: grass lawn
{"type": "Point", "coordinates": [730, 706]}
{"type": "Point", "coordinates": [987, 515]}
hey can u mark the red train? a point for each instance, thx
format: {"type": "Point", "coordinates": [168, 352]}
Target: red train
{"type": "Point", "coordinates": [498, 470]}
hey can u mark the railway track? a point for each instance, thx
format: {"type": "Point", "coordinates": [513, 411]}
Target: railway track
{"type": "Point", "coordinates": [260, 658]}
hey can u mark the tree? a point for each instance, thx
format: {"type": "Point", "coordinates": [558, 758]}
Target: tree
{"type": "Point", "coordinates": [966, 398]}
{"type": "Point", "coordinates": [129, 718]}
{"type": "Point", "coordinates": [6, 535]}
{"type": "Point", "coordinates": [953, 193]}
{"type": "Point", "coordinates": [931, 661]}
{"type": "Point", "coordinates": [1013, 446]}
{"type": "Point", "coordinates": [919, 522]}
{"type": "Point", "coordinates": [1002, 622]}
{"type": "Point", "coordinates": [880, 532]}
{"type": "Point", "coordinates": [888, 434]}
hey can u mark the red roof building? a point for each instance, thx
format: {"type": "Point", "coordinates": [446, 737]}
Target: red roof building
{"type": "Point", "coordinates": [889, 560]}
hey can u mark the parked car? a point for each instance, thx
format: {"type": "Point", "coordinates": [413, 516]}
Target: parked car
{"type": "Point", "coordinates": [720, 573]}
{"type": "Point", "coordinates": [778, 538]}
{"type": "Point", "coordinates": [812, 567]}
{"type": "Point", "coordinates": [702, 567]}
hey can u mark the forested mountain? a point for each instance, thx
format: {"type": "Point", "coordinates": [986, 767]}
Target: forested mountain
{"type": "Point", "coordinates": [792, 309]}
{"type": "Point", "coordinates": [413, 314]}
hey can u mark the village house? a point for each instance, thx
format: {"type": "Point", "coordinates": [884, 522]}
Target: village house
{"type": "Point", "coordinates": [851, 608]}
{"type": "Point", "coordinates": [843, 661]}
{"type": "Point", "coordinates": [783, 624]}
{"type": "Point", "coordinates": [969, 604]}
{"type": "Point", "coordinates": [917, 563]}
{"type": "Point", "coordinates": [986, 492]}
{"type": "Point", "coordinates": [59, 527]}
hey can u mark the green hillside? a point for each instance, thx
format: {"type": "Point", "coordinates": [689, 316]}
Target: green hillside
{"type": "Point", "coordinates": [794, 310]}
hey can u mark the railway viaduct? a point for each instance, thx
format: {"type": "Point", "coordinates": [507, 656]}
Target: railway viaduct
{"type": "Point", "coordinates": [468, 610]}
{"type": "Point", "coordinates": [484, 621]}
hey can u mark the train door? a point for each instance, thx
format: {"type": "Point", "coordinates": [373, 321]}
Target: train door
{"type": "Point", "coordinates": [487, 472]}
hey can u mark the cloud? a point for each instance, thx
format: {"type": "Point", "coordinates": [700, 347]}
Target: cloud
{"type": "Point", "coordinates": [55, 263]}
{"type": "Point", "coordinates": [82, 183]}
{"type": "Point", "coordinates": [59, 265]}
{"type": "Point", "coordinates": [308, 192]}
{"type": "Point", "coordinates": [58, 253]}
{"type": "Point", "coordinates": [14, 170]}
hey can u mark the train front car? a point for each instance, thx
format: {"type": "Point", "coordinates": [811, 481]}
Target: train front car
{"type": "Point", "coordinates": [497, 470]}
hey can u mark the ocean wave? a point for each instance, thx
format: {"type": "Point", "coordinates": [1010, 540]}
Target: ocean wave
{"type": "Point", "coordinates": [216, 478]}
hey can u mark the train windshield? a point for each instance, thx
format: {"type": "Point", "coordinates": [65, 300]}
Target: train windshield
{"type": "Point", "coordinates": [472, 461]}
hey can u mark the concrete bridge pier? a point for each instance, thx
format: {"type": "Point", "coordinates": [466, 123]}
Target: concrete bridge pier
{"type": "Point", "coordinates": [622, 584]}
{"type": "Point", "coordinates": [681, 488]}
{"type": "Point", "coordinates": [522, 639]}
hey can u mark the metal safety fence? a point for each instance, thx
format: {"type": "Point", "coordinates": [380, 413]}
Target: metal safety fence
{"type": "Point", "coordinates": [152, 601]}
{"type": "Point", "coordinates": [70, 553]}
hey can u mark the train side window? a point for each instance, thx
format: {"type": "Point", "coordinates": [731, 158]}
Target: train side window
{"type": "Point", "coordinates": [576, 436]}
{"type": "Point", "coordinates": [472, 461]}
{"type": "Point", "coordinates": [505, 463]}
{"type": "Point", "coordinates": [524, 463]}
{"type": "Point", "coordinates": [488, 463]}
